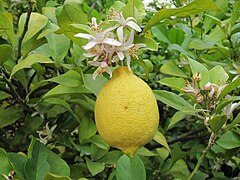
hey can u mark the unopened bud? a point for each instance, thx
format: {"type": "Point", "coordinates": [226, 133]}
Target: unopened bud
{"type": "Point", "coordinates": [199, 98]}
{"type": "Point", "coordinates": [197, 76]}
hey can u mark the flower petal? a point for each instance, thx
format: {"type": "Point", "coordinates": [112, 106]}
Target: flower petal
{"type": "Point", "coordinates": [90, 45]}
{"type": "Point", "coordinates": [111, 41]}
{"type": "Point", "coordinates": [120, 55]}
{"type": "Point", "coordinates": [109, 72]}
{"type": "Point", "coordinates": [130, 38]}
{"type": "Point", "coordinates": [95, 74]}
{"type": "Point", "coordinates": [89, 54]}
{"type": "Point", "coordinates": [134, 26]}
{"type": "Point", "coordinates": [140, 45]}
{"type": "Point", "coordinates": [131, 18]}
{"type": "Point", "coordinates": [85, 36]}
{"type": "Point", "coordinates": [128, 62]}
{"type": "Point", "coordinates": [120, 33]}
{"type": "Point", "coordinates": [94, 63]}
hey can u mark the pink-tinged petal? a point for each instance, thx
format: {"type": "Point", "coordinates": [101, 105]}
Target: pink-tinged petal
{"type": "Point", "coordinates": [120, 55]}
{"type": "Point", "coordinates": [127, 47]}
{"type": "Point", "coordinates": [110, 29]}
{"type": "Point", "coordinates": [120, 33]}
{"type": "Point", "coordinates": [109, 72]}
{"type": "Point", "coordinates": [111, 42]}
{"type": "Point", "coordinates": [134, 26]}
{"type": "Point", "coordinates": [85, 36]}
{"type": "Point", "coordinates": [104, 65]}
{"type": "Point", "coordinates": [96, 58]}
{"type": "Point", "coordinates": [131, 18]}
{"type": "Point", "coordinates": [140, 45]}
{"type": "Point", "coordinates": [90, 45]}
{"type": "Point", "coordinates": [130, 38]}
{"type": "Point", "coordinates": [94, 63]}
{"type": "Point", "coordinates": [94, 21]}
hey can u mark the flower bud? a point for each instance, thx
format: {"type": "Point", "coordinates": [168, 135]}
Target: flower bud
{"type": "Point", "coordinates": [197, 76]}
{"type": "Point", "coordinates": [199, 98]}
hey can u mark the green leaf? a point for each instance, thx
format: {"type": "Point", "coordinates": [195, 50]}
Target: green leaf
{"type": "Point", "coordinates": [218, 75]}
{"type": "Point", "coordinates": [231, 86]}
{"type": "Point", "coordinates": [63, 90]}
{"type": "Point", "coordinates": [63, 104]}
{"type": "Point", "coordinates": [180, 170]}
{"type": "Point", "coordinates": [163, 153]}
{"type": "Point", "coordinates": [159, 137]}
{"type": "Point", "coordinates": [5, 166]}
{"type": "Point", "coordinates": [145, 152]}
{"type": "Point", "coordinates": [9, 116]}
{"type": "Point", "coordinates": [99, 142]}
{"type": "Point", "coordinates": [157, 33]}
{"type": "Point", "coordinates": [85, 102]}
{"type": "Point", "coordinates": [199, 44]}
{"type": "Point", "coordinates": [172, 100]}
{"type": "Point", "coordinates": [217, 122]}
{"type": "Point", "coordinates": [174, 83]}
{"type": "Point", "coordinates": [58, 46]}
{"type": "Point", "coordinates": [194, 7]}
{"type": "Point", "coordinates": [94, 167]}
{"type": "Point", "coordinates": [42, 161]}
{"type": "Point", "coordinates": [176, 36]}
{"type": "Point", "coordinates": [18, 161]}
{"type": "Point", "coordinates": [32, 124]}
{"type": "Point", "coordinates": [130, 168]}
{"type": "Point", "coordinates": [6, 27]}
{"type": "Point", "coordinates": [36, 23]}
{"type": "Point", "coordinates": [29, 61]}
{"type": "Point", "coordinates": [111, 157]}
{"type": "Point", "coordinates": [94, 85]}
{"type": "Point", "coordinates": [69, 79]}
{"type": "Point", "coordinates": [150, 43]}
{"type": "Point", "coordinates": [178, 116]}
{"type": "Point", "coordinates": [71, 14]}
{"type": "Point", "coordinates": [51, 176]}
{"type": "Point", "coordinates": [171, 68]}
{"type": "Point", "coordinates": [197, 67]}
{"type": "Point", "coordinates": [86, 129]}
{"type": "Point", "coordinates": [5, 53]}
{"type": "Point", "coordinates": [229, 140]}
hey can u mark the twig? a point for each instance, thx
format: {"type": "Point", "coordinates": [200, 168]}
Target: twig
{"type": "Point", "coordinates": [30, 9]}
{"type": "Point", "coordinates": [91, 8]}
{"type": "Point", "coordinates": [6, 90]}
{"type": "Point", "coordinates": [211, 141]}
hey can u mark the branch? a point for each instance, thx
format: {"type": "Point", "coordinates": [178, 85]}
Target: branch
{"type": "Point", "coordinates": [211, 141]}
{"type": "Point", "coordinates": [30, 9]}
{"type": "Point", "coordinates": [6, 90]}
{"type": "Point", "coordinates": [91, 8]}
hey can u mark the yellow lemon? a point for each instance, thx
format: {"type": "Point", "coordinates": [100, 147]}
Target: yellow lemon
{"type": "Point", "coordinates": [126, 112]}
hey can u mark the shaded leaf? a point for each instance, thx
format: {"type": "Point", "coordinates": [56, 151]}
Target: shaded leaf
{"type": "Point", "coordinates": [18, 161]}
{"type": "Point", "coordinates": [5, 53]}
{"type": "Point", "coordinates": [174, 83]}
{"type": "Point", "coordinates": [86, 129]}
{"type": "Point", "coordinates": [231, 86]}
{"type": "Point", "coordinates": [51, 176]}
{"type": "Point", "coordinates": [217, 122]}
{"type": "Point", "coordinates": [171, 68]}
{"type": "Point", "coordinates": [5, 166]}
{"type": "Point", "coordinates": [229, 140]}
{"type": "Point", "coordinates": [29, 61]}
{"type": "Point", "coordinates": [9, 116]}
{"type": "Point", "coordinates": [94, 167]}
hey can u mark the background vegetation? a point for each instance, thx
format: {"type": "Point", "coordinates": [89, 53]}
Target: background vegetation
{"type": "Point", "coordinates": [47, 93]}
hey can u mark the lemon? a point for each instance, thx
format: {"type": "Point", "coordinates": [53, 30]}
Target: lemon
{"type": "Point", "coordinates": [126, 112]}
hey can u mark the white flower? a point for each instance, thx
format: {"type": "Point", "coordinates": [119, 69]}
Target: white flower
{"type": "Point", "coordinates": [47, 132]}
{"type": "Point", "coordinates": [129, 22]}
{"type": "Point", "coordinates": [102, 67]}
{"type": "Point", "coordinates": [236, 71]}
{"type": "Point", "coordinates": [128, 49]}
{"type": "Point", "coordinates": [95, 52]}
{"type": "Point", "coordinates": [99, 37]}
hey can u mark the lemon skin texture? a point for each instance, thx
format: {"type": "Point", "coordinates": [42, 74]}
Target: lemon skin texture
{"type": "Point", "coordinates": [126, 112]}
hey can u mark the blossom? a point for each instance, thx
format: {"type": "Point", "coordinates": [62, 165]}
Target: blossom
{"type": "Point", "coordinates": [47, 132]}
{"type": "Point", "coordinates": [230, 108]}
{"type": "Point", "coordinates": [102, 67]}
{"type": "Point", "coordinates": [99, 37]}
{"type": "Point", "coordinates": [214, 90]}
{"type": "Point", "coordinates": [236, 71]}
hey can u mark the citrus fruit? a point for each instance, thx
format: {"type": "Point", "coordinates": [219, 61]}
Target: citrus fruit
{"type": "Point", "coordinates": [126, 112]}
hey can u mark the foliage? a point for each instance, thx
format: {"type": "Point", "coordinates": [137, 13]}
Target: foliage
{"type": "Point", "coordinates": [47, 93]}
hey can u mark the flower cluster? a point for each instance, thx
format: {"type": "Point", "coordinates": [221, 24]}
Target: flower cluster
{"type": "Point", "coordinates": [107, 46]}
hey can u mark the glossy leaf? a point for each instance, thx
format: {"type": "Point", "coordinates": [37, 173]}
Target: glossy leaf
{"type": "Point", "coordinates": [229, 140]}
{"type": "Point", "coordinates": [6, 27]}
{"type": "Point", "coordinates": [51, 176]}
{"type": "Point", "coordinates": [69, 79]}
{"type": "Point", "coordinates": [174, 83]}
{"type": "Point", "coordinates": [36, 23]}
{"type": "Point", "coordinates": [171, 68]}
{"type": "Point", "coordinates": [150, 43]}
{"type": "Point", "coordinates": [218, 75]}
{"type": "Point", "coordinates": [194, 7]}
{"type": "Point", "coordinates": [130, 168]}
{"type": "Point", "coordinates": [180, 170]}
{"type": "Point", "coordinates": [5, 53]}
{"type": "Point", "coordinates": [231, 86]}
{"type": "Point", "coordinates": [29, 61]}
{"type": "Point", "coordinates": [159, 137]}
{"type": "Point", "coordinates": [234, 122]}
{"type": "Point", "coordinates": [94, 167]}
{"type": "Point", "coordinates": [42, 161]}
{"type": "Point", "coordinates": [173, 100]}
{"type": "Point", "coordinates": [86, 129]}
{"type": "Point", "coordinates": [5, 166]}
{"type": "Point", "coordinates": [217, 122]}
{"type": "Point", "coordinates": [9, 116]}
